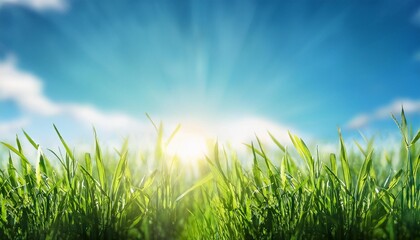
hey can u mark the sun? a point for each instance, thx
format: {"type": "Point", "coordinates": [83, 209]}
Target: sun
{"type": "Point", "coordinates": [190, 145]}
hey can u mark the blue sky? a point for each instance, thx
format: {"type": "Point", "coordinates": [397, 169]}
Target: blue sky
{"type": "Point", "coordinates": [308, 66]}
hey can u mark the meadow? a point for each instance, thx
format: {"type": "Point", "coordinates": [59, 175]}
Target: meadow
{"type": "Point", "coordinates": [294, 192]}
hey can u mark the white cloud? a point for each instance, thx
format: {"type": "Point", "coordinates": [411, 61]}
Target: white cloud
{"type": "Point", "coordinates": [362, 120]}
{"type": "Point", "coordinates": [38, 5]}
{"type": "Point", "coordinates": [26, 90]}
{"type": "Point", "coordinates": [359, 121]}
{"type": "Point", "coordinates": [245, 130]}
{"type": "Point", "coordinates": [10, 127]}
{"type": "Point", "coordinates": [107, 121]}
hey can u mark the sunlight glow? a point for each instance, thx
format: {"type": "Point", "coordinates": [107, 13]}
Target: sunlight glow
{"type": "Point", "coordinates": [195, 138]}
{"type": "Point", "coordinates": [189, 145]}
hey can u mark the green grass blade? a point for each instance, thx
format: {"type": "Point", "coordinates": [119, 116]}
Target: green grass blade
{"type": "Point", "coordinates": [119, 174]}
{"type": "Point", "coordinates": [283, 168]}
{"type": "Point", "coordinates": [38, 167]}
{"type": "Point", "coordinates": [10, 147]}
{"type": "Point", "coordinates": [98, 184]}
{"type": "Point", "coordinates": [153, 123]}
{"type": "Point", "coordinates": [344, 162]}
{"type": "Point", "coordinates": [304, 153]}
{"type": "Point", "coordinates": [178, 127]}
{"type": "Point", "coordinates": [196, 185]}
{"type": "Point", "coordinates": [403, 120]}
{"type": "Point", "coordinates": [364, 172]}
{"type": "Point", "coordinates": [11, 171]}
{"type": "Point", "coordinates": [333, 163]}
{"type": "Point", "coordinates": [256, 171]}
{"type": "Point", "coordinates": [279, 145]}
{"type": "Point", "coordinates": [395, 180]}
{"type": "Point", "coordinates": [17, 152]}
{"type": "Point", "coordinates": [30, 140]}
{"type": "Point", "coordinates": [360, 148]}
{"type": "Point", "coordinates": [68, 151]}
{"type": "Point", "coordinates": [416, 138]}
{"type": "Point", "coordinates": [3, 208]}
{"type": "Point", "coordinates": [88, 163]}
{"type": "Point", "coordinates": [99, 163]}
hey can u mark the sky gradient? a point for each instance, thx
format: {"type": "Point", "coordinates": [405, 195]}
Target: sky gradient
{"type": "Point", "coordinates": [307, 66]}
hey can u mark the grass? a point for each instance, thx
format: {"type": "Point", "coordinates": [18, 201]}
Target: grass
{"type": "Point", "coordinates": [363, 194]}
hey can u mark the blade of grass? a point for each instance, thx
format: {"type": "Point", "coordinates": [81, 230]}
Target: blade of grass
{"type": "Point", "coordinates": [68, 151]}
{"type": "Point", "coordinates": [279, 145]}
{"type": "Point", "coordinates": [344, 162]}
{"type": "Point", "coordinates": [196, 185]}
{"type": "Point", "coordinates": [118, 175]}
{"type": "Point", "coordinates": [99, 163]}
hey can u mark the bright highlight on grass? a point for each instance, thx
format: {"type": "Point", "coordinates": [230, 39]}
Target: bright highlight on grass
{"type": "Point", "coordinates": [103, 195]}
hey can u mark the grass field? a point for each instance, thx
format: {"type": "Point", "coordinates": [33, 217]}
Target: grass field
{"type": "Point", "coordinates": [296, 193]}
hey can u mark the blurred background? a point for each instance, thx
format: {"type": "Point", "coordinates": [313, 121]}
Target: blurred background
{"type": "Point", "coordinates": [223, 69]}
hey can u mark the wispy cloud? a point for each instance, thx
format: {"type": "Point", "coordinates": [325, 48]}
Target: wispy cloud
{"type": "Point", "coordinates": [11, 127]}
{"type": "Point", "coordinates": [416, 17]}
{"type": "Point", "coordinates": [26, 90]}
{"type": "Point", "coordinates": [38, 5]}
{"type": "Point", "coordinates": [362, 120]}
{"type": "Point", "coordinates": [107, 121]}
